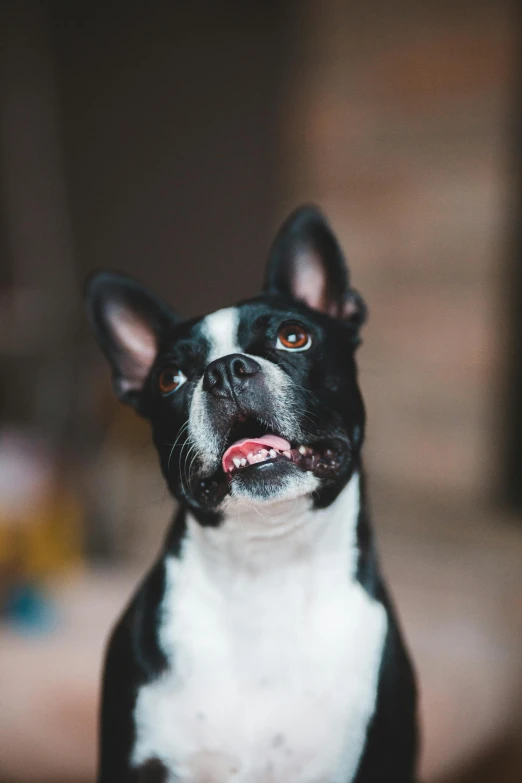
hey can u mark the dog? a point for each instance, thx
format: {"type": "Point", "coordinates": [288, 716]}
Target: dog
{"type": "Point", "coordinates": [262, 646]}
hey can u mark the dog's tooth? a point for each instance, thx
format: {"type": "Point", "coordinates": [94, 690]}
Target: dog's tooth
{"type": "Point", "coordinates": [236, 461]}
{"type": "Point", "coordinates": [243, 462]}
{"type": "Point", "coordinates": [263, 453]}
{"type": "Point", "coordinates": [273, 453]}
{"type": "Point", "coordinates": [287, 454]}
{"type": "Point", "coordinates": [302, 450]}
{"type": "Point", "coordinates": [251, 459]}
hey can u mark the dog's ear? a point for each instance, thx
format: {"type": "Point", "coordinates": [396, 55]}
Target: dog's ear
{"type": "Point", "coordinates": [307, 263]}
{"type": "Point", "coordinates": [128, 321]}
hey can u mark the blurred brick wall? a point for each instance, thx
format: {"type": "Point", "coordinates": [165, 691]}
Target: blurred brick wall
{"type": "Point", "coordinates": [397, 123]}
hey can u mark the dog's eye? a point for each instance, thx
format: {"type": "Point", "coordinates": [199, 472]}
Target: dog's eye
{"type": "Point", "coordinates": [293, 337]}
{"type": "Point", "coordinates": [171, 379]}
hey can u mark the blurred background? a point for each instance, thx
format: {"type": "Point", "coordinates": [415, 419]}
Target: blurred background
{"type": "Point", "coordinates": [169, 140]}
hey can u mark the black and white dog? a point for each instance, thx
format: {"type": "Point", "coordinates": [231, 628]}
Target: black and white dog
{"type": "Point", "coordinates": [262, 646]}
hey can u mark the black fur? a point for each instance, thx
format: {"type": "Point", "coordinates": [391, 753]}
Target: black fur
{"type": "Point", "coordinates": [325, 383]}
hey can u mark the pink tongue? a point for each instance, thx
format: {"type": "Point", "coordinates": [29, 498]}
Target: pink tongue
{"type": "Point", "coordinates": [242, 448]}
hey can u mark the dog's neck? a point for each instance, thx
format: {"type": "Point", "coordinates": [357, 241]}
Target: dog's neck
{"type": "Point", "coordinates": [259, 540]}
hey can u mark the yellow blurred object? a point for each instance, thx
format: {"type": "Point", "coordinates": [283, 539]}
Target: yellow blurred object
{"type": "Point", "coordinates": [53, 538]}
{"type": "Point", "coordinates": [41, 520]}
{"type": "Point", "coordinates": [46, 539]}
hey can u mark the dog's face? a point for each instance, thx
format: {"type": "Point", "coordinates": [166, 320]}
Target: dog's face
{"type": "Point", "coordinates": [257, 402]}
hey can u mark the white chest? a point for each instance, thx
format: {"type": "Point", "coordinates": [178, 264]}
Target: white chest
{"type": "Point", "coordinates": [274, 668]}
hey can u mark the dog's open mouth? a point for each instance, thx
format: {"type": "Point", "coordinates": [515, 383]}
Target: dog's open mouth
{"type": "Point", "coordinates": [256, 458]}
{"type": "Point", "coordinates": [250, 452]}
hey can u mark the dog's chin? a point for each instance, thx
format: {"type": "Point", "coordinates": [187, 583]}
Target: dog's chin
{"type": "Point", "coordinates": [272, 482]}
{"type": "Point", "coordinates": [290, 474]}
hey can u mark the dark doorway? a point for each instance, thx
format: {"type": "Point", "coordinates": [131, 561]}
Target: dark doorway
{"type": "Point", "coordinates": [171, 124]}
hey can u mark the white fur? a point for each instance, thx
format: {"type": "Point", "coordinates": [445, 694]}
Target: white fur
{"type": "Point", "coordinates": [220, 329]}
{"type": "Point", "coordinates": [273, 648]}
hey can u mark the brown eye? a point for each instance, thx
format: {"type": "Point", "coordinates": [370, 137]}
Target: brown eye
{"type": "Point", "coordinates": [293, 337]}
{"type": "Point", "coordinates": [170, 380]}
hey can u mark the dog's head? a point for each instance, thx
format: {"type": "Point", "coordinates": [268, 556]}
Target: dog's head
{"type": "Point", "coordinates": [258, 401]}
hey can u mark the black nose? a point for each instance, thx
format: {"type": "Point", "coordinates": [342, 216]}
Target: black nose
{"type": "Point", "coordinates": [227, 377]}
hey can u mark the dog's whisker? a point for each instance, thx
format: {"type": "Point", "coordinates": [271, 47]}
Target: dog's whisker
{"type": "Point", "coordinates": [180, 433]}
{"type": "Point", "coordinates": [182, 472]}
{"type": "Point", "coordinates": [192, 452]}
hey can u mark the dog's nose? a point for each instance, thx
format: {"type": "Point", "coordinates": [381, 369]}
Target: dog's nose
{"type": "Point", "coordinates": [228, 376]}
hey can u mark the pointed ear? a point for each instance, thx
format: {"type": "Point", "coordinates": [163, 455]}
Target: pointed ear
{"type": "Point", "coordinates": [128, 321]}
{"type": "Point", "coordinates": [307, 263]}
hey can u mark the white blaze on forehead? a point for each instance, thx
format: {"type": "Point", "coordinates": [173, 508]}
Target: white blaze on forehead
{"type": "Point", "coordinates": [220, 329]}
